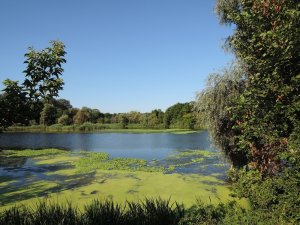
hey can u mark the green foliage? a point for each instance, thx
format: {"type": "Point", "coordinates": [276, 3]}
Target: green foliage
{"type": "Point", "coordinates": [64, 120]}
{"type": "Point", "coordinates": [63, 107]}
{"type": "Point", "coordinates": [154, 119]}
{"type": "Point", "coordinates": [48, 115]}
{"type": "Point", "coordinates": [14, 106]}
{"type": "Point", "coordinates": [124, 122]}
{"type": "Point", "coordinates": [278, 194]}
{"type": "Point", "coordinates": [44, 70]}
{"type": "Point", "coordinates": [228, 214]}
{"type": "Point", "coordinates": [215, 102]}
{"type": "Point", "coordinates": [180, 115]}
{"type": "Point", "coordinates": [253, 113]}
{"type": "Point", "coordinates": [266, 40]}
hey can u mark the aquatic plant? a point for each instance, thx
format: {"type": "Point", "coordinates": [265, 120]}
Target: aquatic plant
{"type": "Point", "coordinates": [33, 153]}
{"type": "Point", "coordinates": [187, 158]}
{"type": "Point", "coordinates": [99, 160]}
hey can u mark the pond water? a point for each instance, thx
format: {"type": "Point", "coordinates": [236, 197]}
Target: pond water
{"type": "Point", "coordinates": [184, 166]}
{"type": "Point", "coordinates": [144, 146]}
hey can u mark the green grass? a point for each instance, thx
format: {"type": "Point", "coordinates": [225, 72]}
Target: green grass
{"type": "Point", "coordinates": [89, 127]}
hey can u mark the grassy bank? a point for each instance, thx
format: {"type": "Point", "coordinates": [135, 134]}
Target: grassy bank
{"type": "Point", "coordinates": [90, 127]}
{"type": "Point", "coordinates": [147, 212]}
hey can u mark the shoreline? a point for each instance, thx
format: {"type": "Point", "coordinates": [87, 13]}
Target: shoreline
{"type": "Point", "coordinates": [78, 129]}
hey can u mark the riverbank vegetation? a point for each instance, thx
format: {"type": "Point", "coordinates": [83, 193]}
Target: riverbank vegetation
{"type": "Point", "coordinates": [252, 109]}
{"type": "Point", "coordinates": [90, 127]}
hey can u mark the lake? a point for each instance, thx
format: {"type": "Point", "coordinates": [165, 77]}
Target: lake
{"type": "Point", "coordinates": [118, 166]}
{"type": "Point", "coordinates": [146, 146]}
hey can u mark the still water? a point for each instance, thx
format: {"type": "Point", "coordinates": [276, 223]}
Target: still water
{"type": "Point", "coordinates": [145, 146]}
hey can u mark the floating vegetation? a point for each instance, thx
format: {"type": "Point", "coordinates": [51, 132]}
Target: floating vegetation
{"type": "Point", "coordinates": [33, 153]}
{"type": "Point", "coordinates": [83, 176]}
{"type": "Point", "coordinates": [192, 153]}
{"type": "Point", "coordinates": [99, 160]}
{"type": "Point", "coordinates": [194, 160]}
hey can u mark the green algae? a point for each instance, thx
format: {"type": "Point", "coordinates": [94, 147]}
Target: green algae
{"type": "Point", "coordinates": [33, 153]}
{"type": "Point", "coordinates": [89, 175]}
{"type": "Point", "coordinates": [193, 153]}
{"type": "Point", "coordinates": [99, 160]}
{"type": "Point", "coordinates": [123, 185]}
{"type": "Point", "coordinates": [187, 158]}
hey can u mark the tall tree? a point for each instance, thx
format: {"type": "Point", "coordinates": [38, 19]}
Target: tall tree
{"type": "Point", "coordinates": [48, 115]}
{"type": "Point", "coordinates": [266, 39]}
{"type": "Point", "coordinates": [215, 104]}
{"type": "Point", "coordinates": [14, 105]}
{"type": "Point", "coordinates": [44, 71]}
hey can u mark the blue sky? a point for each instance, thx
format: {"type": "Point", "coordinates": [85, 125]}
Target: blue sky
{"type": "Point", "coordinates": [122, 55]}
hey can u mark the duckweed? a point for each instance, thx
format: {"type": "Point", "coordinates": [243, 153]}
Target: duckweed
{"type": "Point", "coordinates": [33, 153]}
{"type": "Point", "coordinates": [82, 176]}
{"type": "Point", "coordinates": [99, 160]}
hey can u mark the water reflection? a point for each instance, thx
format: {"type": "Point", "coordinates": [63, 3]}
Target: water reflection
{"type": "Point", "coordinates": [146, 146]}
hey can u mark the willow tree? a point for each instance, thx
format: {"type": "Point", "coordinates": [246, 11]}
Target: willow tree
{"type": "Point", "coordinates": [215, 104]}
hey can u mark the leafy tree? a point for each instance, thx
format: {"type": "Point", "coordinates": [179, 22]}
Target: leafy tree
{"type": "Point", "coordinates": [174, 115]}
{"type": "Point", "coordinates": [14, 104]}
{"type": "Point", "coordinates": [95, 115]}
{"type": "Point", "coordinates": [48, 114]}
{"type": "Point", "coordinates": [62, 106]}
{"type": "Point", "coordinates": [266, 40]}
{"type": "Point", "coordinates": [64, 120]}
{"type": "Point", "coordinates": [124, 121]}
{"type": "Point", "coordinates": [154, 119]}
{"type": "Point", "coordinates": [44, 71]}
{"type": "Point", "coordinates": [82, 116]}
{"type": "Point", "coordinates": [215, 103]}
{"type": "Point", "coordinates": [134, 117]}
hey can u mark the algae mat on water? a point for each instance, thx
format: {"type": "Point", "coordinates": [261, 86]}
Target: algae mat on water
{"type": "Point", "coordinates": [80, 177]}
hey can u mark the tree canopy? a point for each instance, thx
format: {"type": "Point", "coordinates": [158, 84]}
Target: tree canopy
{"type": "Point", "coordinates": [44, 70]}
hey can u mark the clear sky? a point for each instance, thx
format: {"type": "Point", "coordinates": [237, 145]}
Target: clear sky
{"type": "Point", "coordinates": [122, 55]}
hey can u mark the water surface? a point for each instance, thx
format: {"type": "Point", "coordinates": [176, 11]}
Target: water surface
{"type": "Point", "coordinates": [145, 146]}
{"type": "Point", "coordinates": [192, 167]}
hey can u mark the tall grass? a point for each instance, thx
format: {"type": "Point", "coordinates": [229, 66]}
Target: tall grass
{"type": "Point", "coordinates": [148, 212]}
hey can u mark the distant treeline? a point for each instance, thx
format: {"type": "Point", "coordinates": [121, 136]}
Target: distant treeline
{"type": "Point", "coordinates": [61, 112]}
